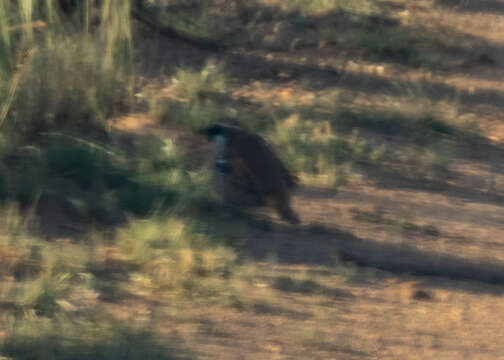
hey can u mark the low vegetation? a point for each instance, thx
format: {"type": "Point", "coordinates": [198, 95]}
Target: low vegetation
{"type": "Point", "coordinates": [81, 338]}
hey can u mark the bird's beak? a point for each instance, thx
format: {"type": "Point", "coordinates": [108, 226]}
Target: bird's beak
{"type": "Point", "coordinates": [204, 132]}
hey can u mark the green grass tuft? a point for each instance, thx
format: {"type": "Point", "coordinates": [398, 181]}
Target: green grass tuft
{"type": "Point", "coordinates": [61, 338]}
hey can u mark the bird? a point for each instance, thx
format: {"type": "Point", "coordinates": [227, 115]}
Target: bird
{"type": "Point", "coordinates": [248, 172]}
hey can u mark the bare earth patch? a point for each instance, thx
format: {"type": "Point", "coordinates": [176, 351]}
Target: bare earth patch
{"type": "Point", "coordinates": [369, 313]}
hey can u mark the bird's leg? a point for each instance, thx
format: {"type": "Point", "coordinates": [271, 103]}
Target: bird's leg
{"type": "Point", "coordinates": [282, 206]}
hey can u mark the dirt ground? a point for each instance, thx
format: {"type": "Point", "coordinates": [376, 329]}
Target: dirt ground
{"type": "Point", "coordinates": [404, 271]}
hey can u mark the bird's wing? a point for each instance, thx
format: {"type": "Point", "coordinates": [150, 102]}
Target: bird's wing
{"type": "Point", "coordinates": [267, 172]}
{"type": "Point", "coordinates": [243, 177]}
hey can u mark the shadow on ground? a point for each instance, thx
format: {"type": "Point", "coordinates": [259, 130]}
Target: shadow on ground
{"type": "Point", "coordinates": [487, 6]}
{"type": "Point", "coordinates": [318, 245]}
{"type": "Point", "coordinates": [318, 78]}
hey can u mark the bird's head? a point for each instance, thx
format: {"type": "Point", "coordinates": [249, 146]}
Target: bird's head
{"type": "Point", "coordinates": [220, 131]}
{"type": "Point", "coordinates": [212, 131]}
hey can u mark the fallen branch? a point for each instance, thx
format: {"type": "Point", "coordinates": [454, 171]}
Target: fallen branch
{"type": "Point", "coordinates": [199, 42]}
